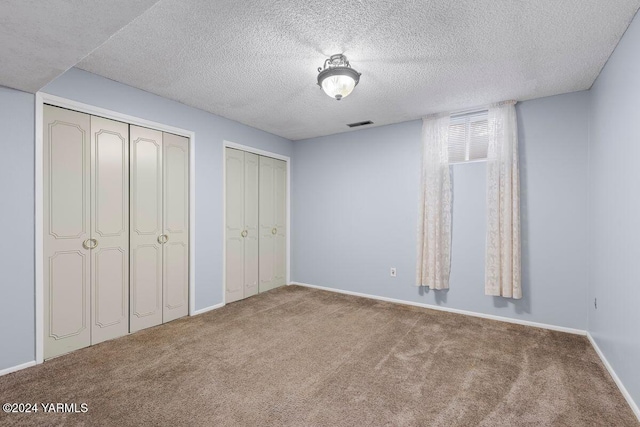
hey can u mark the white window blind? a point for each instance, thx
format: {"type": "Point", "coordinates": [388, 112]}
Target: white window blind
{"type": "Point", "coordinates": [468, 137]}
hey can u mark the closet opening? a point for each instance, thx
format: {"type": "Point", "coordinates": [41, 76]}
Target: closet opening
{"type": "Point", "coordinates": [114, 225]}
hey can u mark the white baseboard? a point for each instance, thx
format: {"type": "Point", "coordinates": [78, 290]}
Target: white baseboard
{"type": "Point", "coordinates": [616, 379]}
{"type": "Point", "coordinates": [6, 371]}
{"type": "Point", "coordinates": [204, 310]}
{"type": "Point", "coordinates": [451, 310]}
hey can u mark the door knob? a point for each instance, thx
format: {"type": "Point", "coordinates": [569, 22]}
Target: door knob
{"type": "Point", "coordinates": [163, 238]}
{"type": "Point", "coordinates": [274, 230]}
{"type": "Point", "coordinates": [244, 233]}
{"type": "Point", "coordinates": [90, 243]}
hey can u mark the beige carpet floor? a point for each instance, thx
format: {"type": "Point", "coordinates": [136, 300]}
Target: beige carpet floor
{"type": "Point", "coordinates": [303, 357]}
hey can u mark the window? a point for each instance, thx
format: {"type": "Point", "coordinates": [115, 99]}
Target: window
{"type": "Point", "coordinates": [468, 137]}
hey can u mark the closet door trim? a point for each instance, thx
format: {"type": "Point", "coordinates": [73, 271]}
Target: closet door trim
{"type": "Point", "coordinates": [43, 98]}
{"type": "Point", "coordinates": [228, 144]}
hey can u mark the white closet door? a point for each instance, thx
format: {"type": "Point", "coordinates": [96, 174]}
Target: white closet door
{"type": "Point", "coordinates": [269, 181]}
{"type": "Point", "coordinates": [241, 219]}
{"type": "Point", "coordinates": [280, 222]}
{"type": "Point", "coordinates": [251, 251]}
{"type": "Point", "coordinates": [234, 225]}
{"type": "Point", "coordinates": [176, 227]}
{"type": "Point", "coordinates": [273, 218]}
{"type": "Point", "coordinates": [267, 223]}
{"type": "Point", "coordinates": [67, 322]}
{"type": "Point", "coordinates": [146, 228]}
{"type": "Point", "coordinates": [109, 229]}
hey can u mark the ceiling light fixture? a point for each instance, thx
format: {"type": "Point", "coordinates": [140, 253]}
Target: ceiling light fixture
{"type": "Point", "coordinates": [337, 78]}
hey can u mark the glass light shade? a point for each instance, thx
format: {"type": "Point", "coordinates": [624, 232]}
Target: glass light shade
{"type": "Point", "coordinates": [338, 86]}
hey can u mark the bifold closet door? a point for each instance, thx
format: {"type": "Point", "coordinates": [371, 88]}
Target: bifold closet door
{"type": "Point", "coordinates": [241, 224]}
{"type": "Point", "coordinates": [251, 223]}
{"type": "Point", "coordinates": [234, 225]}
{"type": "Point", "coordinates": [146, 228]}
{"type": "Point", "coordinates": [280, 215]}
{"type": "Point", "coordinates": [67, 258]}
{"type": "Point", "coordinates": [116, 229]}
{"type": "Point", "coordinates": [175, 249]}
{"type": "Point", "coordinates": [272, 208]}
{"type": "Point", "coordinates": [109, 229]}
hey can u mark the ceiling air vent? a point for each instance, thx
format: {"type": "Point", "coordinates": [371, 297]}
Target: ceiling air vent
{"type": "Point", "coordinates": [355, 125]}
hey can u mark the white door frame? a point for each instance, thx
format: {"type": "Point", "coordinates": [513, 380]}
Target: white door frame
{"type": "Point", "coordinates": [228, 144]}
{"type": "Point", "coordinates": [45, 98]}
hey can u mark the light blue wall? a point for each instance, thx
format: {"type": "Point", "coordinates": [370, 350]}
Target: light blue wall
{"type": "Point", "coordinates": [355, 207]}
{"type": "Point", "coordinates": [17, 163]}
{"type": "Point", "coordinates": [17, 291]}
{"type": "Point", "coordinates": [614, 184]}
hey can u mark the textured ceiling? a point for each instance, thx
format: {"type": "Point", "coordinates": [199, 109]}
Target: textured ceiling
{"type": "Point", "coordinates": [39, 40]}
{"type": "Point", "coordinates": [256, 61]}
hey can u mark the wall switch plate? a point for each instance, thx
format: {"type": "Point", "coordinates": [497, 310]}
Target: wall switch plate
{"type": "Point", "coordinates": [393, 272]}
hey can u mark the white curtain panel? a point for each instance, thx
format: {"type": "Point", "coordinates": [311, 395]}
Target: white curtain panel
{"type": "Point", "coordinates": [502, 265]}
{"type": "Point", "coordinates": [434, 221]}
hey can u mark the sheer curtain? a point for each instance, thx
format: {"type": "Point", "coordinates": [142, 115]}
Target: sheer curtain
{"type": "Point", "coordinates": [502, 265]}
{"type": "Point", "coordinates": [434, 221]}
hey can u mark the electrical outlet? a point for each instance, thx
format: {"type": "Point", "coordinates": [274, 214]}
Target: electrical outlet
{"type": "Point", "coordinates": [595, 303]}
{"type": "Point", "coordinates": [393, 272]}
